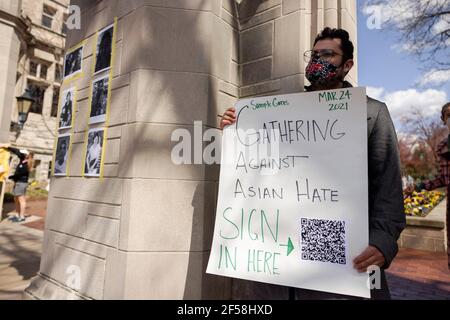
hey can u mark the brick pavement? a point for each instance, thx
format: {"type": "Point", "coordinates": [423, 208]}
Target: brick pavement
{"type": "Point", "coordinates": [36, 208]}
{"type": "Point", "coordinates": [419, 275]}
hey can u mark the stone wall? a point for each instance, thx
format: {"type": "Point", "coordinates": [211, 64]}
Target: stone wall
{"type": "Point", "coordinates": [145, 230]}
{"type": "Point", "coordinates": [10, 6]}
{"type": "Point", "coordinates": [426, 233]}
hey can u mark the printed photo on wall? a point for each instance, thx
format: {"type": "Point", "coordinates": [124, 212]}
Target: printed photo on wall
{"type": "Point", "coordinates": [99, 101]}
{"type": "Point", "coordinates": [73, 62]}
{"type": "Point", "coordinates": [94, 153]}
{"type": "Point", "coordinates": [62, 155]}
{"type": "Point", "coordinates": [104, 49]}
{"type": "Point", "coordinates": [67, 109]}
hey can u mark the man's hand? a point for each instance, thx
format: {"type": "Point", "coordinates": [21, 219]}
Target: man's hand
{"type": "Point", "coordinates": [370, 257]}
{"type": "Point", "coordinates": [228, 118]}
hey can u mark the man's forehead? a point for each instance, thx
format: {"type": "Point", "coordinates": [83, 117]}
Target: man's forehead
{"type": "Point", "coordinates": [333, 44]}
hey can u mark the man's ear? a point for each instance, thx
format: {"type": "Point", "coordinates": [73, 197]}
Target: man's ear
{"type": "Point", "coordinates": [348, 65]}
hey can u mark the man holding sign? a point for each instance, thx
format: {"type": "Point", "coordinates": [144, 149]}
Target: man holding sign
{"type": "Point", "coordinates": [320, 238]}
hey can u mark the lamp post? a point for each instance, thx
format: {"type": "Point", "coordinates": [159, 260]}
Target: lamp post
{"type": "Point", "coordinates": [24, 104]}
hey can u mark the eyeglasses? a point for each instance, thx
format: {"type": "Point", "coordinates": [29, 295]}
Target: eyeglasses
{"type": "Point", "coordinates": [325, 54]}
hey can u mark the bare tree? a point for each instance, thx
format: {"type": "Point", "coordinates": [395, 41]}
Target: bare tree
{"type": "Point", "coordinates": [424, 26]}
{"type": "Point", "coordinates": [427, 131]}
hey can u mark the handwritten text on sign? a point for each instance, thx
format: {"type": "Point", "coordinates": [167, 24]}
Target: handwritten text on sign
{"type": "Point", "coordinates": [293, 194]}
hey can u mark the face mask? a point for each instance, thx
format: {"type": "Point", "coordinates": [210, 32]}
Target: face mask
{"type": "Point", "coordinates": [321, 72]}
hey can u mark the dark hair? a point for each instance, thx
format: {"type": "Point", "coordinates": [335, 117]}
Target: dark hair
{"type": "Point", "coordinates": [30, 162]}
{"type": "Point", "coordinates": [444, 108]}
{"type": "Point", "coordinates": [346, 45]}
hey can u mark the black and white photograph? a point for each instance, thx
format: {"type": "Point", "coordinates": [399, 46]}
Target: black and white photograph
{"type": "Point", "coordinates": [104, 49]}
{"type": "Point", "coordinates": [67, 109]}
{"type": "Point", "coordinates": [62, 155]}
{"type": "Point", "coordinates": [73, 62]}
{"type": "Point", "coordinates": [99, 101]}
{"type": "Point", "coordinates": [94, 153]}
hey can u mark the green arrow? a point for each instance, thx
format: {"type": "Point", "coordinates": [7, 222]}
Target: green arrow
{"type": "Point", "coordinates": [289, 245]}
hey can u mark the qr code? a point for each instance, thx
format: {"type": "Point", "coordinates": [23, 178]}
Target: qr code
{"type": "Point", "coordinates": [323, 240]}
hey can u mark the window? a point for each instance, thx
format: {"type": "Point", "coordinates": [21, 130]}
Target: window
{"type": "Point", "coordinates": [38, 69]}
{"type": "Point", "coordinates": [64, 25]}
{"type": "Point", "coordinates": [49, 170]}
{"type": "Point", "coordinates": [44, 71]}
{"type": "Point", "coordinates": [54, 112]}
{"type": "Point", "coordinates": [34, 170]}
{"type": "Point", "coordinates": [38, 92]}
{"type": "Point", "coordinates": [47, 17]}
{"type": "Point", "coordinates": [33, 68]}
{"type": "Point", "coordinates": [58, 73]}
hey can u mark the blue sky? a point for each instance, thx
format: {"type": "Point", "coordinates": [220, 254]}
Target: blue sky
{"type": "Point", "coordinates": [392, 76]}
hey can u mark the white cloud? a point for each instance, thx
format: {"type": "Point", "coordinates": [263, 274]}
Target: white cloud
{"type": "Point", "coordinates": [408, 47]}
{"type": "Point", "coordinates": [435, 77]}
{"type": "Point", "coordinates": [376, 93]}
{"type": "Point", "coordinates": [403, 102]}
{"type": "Point", "coordinates": [441, 26]}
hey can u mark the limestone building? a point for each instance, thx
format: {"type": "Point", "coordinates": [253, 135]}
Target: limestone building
{"type": "Point", "coordinates": [144, 230]}
{"type": "Point", "coordinates": [38, 33]}
{"type": "Point", "coordinates": [12, 29]}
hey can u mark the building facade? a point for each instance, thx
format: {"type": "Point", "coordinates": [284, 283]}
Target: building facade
{"type": "Point", "coordinates": [144, 230]}
{"type": "Point", "coordinates": [12, 30]}
{"type": "Point", "coordinates": [39, 68]}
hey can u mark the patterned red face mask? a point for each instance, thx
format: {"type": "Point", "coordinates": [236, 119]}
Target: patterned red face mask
{"type": "Point", "coordinates": [321, 72]}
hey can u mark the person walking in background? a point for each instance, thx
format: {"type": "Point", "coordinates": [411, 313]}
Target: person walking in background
{"type": "Point", "coordinates": [443, 177]}
{"type": "Point", "coordinates": [20, 179]}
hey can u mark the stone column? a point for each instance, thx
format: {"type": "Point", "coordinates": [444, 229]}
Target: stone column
{"type": "Point", "coordinates": [9, 55]}
{"type": "Point", "coordinates": [274, 34]}
{"type": "Point", "coordinates": [145, 230]}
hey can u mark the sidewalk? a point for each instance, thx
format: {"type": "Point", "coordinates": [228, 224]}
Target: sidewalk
{"type": "Point", "coordinates": [37, 209]}
{"type": "Point", "coordinates": [20, 255]}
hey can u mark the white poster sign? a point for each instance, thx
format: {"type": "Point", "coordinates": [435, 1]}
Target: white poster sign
{"type": "Point", "coordinates": [293, 194]}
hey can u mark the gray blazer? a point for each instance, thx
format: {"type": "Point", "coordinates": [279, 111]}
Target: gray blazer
{"type": "Point", "coordinates": [386, 212]}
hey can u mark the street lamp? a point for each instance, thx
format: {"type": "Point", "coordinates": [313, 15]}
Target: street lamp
{"type": "Point", "coordinates": [24, 104]}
